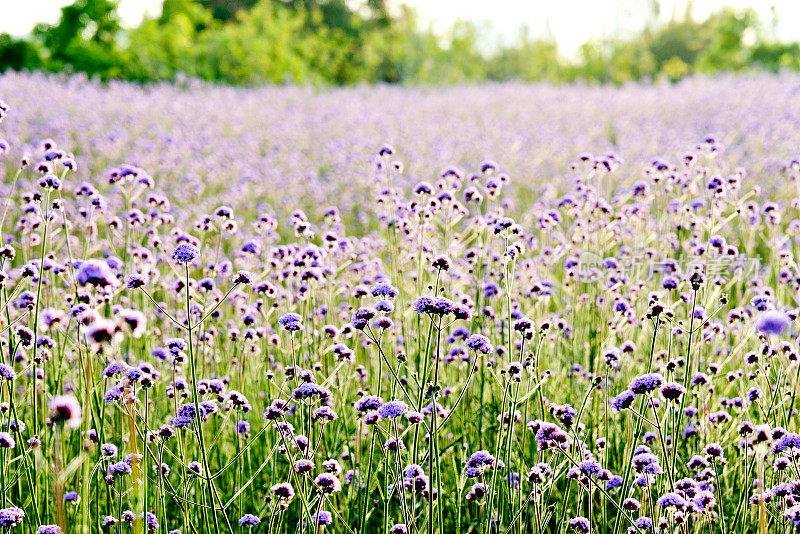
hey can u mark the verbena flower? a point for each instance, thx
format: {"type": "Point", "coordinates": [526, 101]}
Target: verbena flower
{"type": "Point", "coordinates": [97, 273]}
{"type": "Point", "coordinates": [623, 401]}
{"type": "Point", "coordinates": [392, 409]}
{"type": "Point", "coordinates": [646, 383]}
{"type": "Point", "coordinates": [328, 483]}
{"type": "Point", "coordinates": [580, 524]}
{"type": "Point", "coordinates": [185, 253]}
{"type": "Point", "coordinates": [65, 409]}
{"type": "Point", "coordinates": [478, 343]}
{"type": "Point", "coordinates": [249, 520]}
{"type": "Point", "coordinates": [11, 517]}
{"type": "Point", "coordinates": [772, 322]}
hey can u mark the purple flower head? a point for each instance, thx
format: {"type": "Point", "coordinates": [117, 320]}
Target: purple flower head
{"type": "Point", "coordinates": [249, 520]}
{"type": "Point", "coordinates": [185, 253]}
{"type": "Point", "coordinates": [323, 517]}
{"type": "Point", "coordinates": [7, 372]}
{"type": "Point", "coordinates": [392, 409]}
{"type": "Point", "coordinates": [590, 468]}
{"type": "Point", "coordinates": [787, 441]}
{"type": "Point", "coordinates": [367, 403]}
{"type": "Point", "coordinates": [283, 491]}
{"type": "Point", "coordinates": [11, 517]}
{"type": "Point", "coordinates": [671, 500]}
{"type": "Point", "coordinates": [772, 322]}
{"type": "Point", "coordinates": [481, 459]}
{"type": "Point", "coordinates": [243, 277]}
{"type": "Point", "coordinates": [291, 322]}
{"type": "Point", "coordinates": [65, 409]}
{"type": "Point", "coordinates": [623, 401]}
{"type": "Point", "coordinates": [384, 290]}
{"type": "Point", "coordinates": [361, 318]}
{"type": "Point", "coordinates": [672, 391]}
{"type": "Point", "coordinates": [309, 391]}
{"type": "Point", "coordinates": [647, 463]}
{"type": "Point", "coordinates": [324, 414]}
{"type": "Point", "coordinates": [565, 413]}
{"type": "Point", "coordinates": [580, 525]}
{"type": "Point", "coordinates": [478, 343]}
{"type": "Point", "coordinates": [303, 466]}
{"type": "Point", "coordinates": [328, 483]}
{"type": "Point", "coordinates": [646, 383]}
{"type": "Point", "coordinates": [96, 273]}
{"type": "Point", "coordinates": [434, 305]}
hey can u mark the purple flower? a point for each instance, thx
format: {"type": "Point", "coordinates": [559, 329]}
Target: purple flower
{"type": "Point", "coordinates": [580, 524]}
{"type": "Point", "coordinates": [328, 483]}
{"type": "Point", "coordinates": [243, 277]}
{"type": "Point", "coordinates": [65, 409]}
{"type": "Point", "coordinates": [249, 520]}
{"type": "Point", "coordinates": [119, 469]}
{"type": "Point", "coordinates": [772, 322]}
{"type": "Point", "coordinates": [478, 343]}
{"type": "Point", "coordinates": [671, 500]}
{"type": "Point", "coordinates": [97, 273]}
{"type": "Point", "coordinates": [672, 391]}
{"type": "Point", "coordinates": [425, 304]}
{"type": "Point", "coordinates": [564, 413]}
{"type": "Point", "coordinates": [590, 468]}
{"type": "Point", "coordinates": [481, 459]}
{"type": "Point", "coordinates": [150, 520]}
{"type": "Point", "coordinates": [367, 403]}
{"type": "Point", "coordinates": [646, 383]}
{"type": "Point", "coordinates": [647, 463]}
{"type": "Point", "coordinates": [185, 253]}
{"type": "Point", "coordinates": [11, 517]}
{"type": "Point", "coordinates": [787, 441]}
{"type": "Point", "coordinates": [623, 401]}
{"type": "Point", "coordinates": [361, 318]}
{"type": "Point", "coordinates": [382, 289]}
{"type": "Point", "coordinates": [309, 391]}
{"type": "Point", "coordinates": [7, 372]}
{"type": "Point", "coordinates": [283, 491]}
{"type": "Point", "coordinates": [303, 466]}
{"type": "Point", "coordinates": [322, 518]}
{"type": "Point", "coordinates": [392, 409]}
{"type": "Point", "coordinates": [291, 322]}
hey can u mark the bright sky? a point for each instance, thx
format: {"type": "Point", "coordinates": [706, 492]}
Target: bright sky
{"type": "Point", "coordinates": [571, 22]}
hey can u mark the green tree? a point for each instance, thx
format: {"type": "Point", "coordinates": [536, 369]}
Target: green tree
{"type": "Point", "coordinates": [18, 54]}
{"type": "Point", "coordinates": [85, 39]}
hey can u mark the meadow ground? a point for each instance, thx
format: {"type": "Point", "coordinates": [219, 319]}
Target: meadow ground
{"type": "Point", "coordinates": [496, 308]}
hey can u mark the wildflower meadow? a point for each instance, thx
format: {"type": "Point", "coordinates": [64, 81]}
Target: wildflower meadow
{"type": "Point", "coordinates": [494, 308]}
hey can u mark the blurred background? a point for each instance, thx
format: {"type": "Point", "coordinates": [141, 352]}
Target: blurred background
{"type": "Point", "coordinates": [342, 42]}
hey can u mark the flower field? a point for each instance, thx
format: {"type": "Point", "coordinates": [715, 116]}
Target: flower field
{"type": "Point", "coordinates": [497, 308]}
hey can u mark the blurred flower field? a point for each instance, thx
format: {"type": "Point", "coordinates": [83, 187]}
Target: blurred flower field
{"type": "Point", "coordinates": [497, 308]}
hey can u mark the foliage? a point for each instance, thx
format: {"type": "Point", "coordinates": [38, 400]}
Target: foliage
{"type": "Point", "coordinates": [337, 42]}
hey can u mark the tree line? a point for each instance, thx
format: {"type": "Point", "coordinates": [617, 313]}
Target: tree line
{"type": "Point", "coordinates": [337, 42]}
